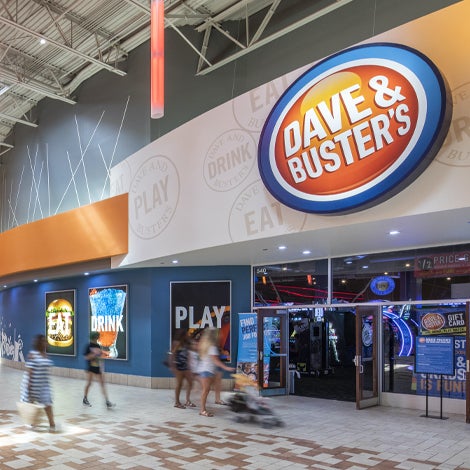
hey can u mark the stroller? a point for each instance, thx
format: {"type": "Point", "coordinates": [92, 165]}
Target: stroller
{"type": "Point", "coordinates": [248, 406]}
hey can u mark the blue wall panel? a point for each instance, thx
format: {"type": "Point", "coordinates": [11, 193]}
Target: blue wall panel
{"type": "Point", "coordinates": [23, 307]}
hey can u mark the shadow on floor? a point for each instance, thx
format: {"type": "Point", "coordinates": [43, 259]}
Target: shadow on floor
{"type": "Point", "coordinates": [339, 384]}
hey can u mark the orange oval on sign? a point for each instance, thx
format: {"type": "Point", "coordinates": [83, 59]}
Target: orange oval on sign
{"type": "Point", "coordinates": [339, 136]}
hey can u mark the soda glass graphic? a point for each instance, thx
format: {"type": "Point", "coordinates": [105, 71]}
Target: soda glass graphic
{"type": "Point", "coordinates": [107, 306]}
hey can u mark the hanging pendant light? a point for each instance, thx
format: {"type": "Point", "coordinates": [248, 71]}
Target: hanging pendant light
{"type": "Point", "coordinates": [157, 58]}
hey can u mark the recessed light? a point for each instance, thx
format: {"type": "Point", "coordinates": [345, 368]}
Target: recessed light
{"type": "Point", "coordinates": [393, 232]}
{"type": "Point", "coordinates": [35, 280]}
{"type": "Point", "coordinates": [349, 262]}
{"type": "Point", "coordinates": [86, 274]}
{"type": "Point", "coordinates": [282, 247]}
{"type": "Point", "coordinates": [175, 261]}
{"type": "Point", "coordinates": [407, 265]}
{"type": "Point", "coordinates": [306, 252]}
{"type": "Point", "coordinates": [42, 41]}
{"type": "Point", "coordinates": [365, 266]}
{"type": "Point", "coordinates": [284, 268]}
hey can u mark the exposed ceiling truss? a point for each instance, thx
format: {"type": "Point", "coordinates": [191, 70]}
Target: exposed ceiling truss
{"type": "Point", "coordinates": [49, 47]}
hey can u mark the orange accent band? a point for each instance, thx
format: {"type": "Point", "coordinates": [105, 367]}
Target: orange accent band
{"type": "Point", "coordinates": [91, 232]}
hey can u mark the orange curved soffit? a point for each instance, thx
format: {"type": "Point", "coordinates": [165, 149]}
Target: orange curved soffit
{"type": "Point", "coordinates": [91, 232]}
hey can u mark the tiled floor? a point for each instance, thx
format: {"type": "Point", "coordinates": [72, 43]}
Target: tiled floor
{"type": "Point", "coordinates": [145, 431]}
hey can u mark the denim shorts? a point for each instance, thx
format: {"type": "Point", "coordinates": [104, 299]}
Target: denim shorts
{"type": "Point", "coordinates": [206, 374]}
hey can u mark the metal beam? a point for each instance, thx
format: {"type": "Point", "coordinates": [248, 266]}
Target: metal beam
{"type": "Point", "coordinates": [272, 37]}
{"type": "Point", "coordinates": [18, 120]}
{"type": "Point", "coordinates": [83, 56]}
{"type": "Point", "coordinates": [10, 77]}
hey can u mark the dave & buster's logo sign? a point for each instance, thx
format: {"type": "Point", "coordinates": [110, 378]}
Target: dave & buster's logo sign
{"type": "Point", "coordinates": [354, 130]}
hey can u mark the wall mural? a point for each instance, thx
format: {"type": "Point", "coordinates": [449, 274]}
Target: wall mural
{"type": "Point", "coordinates": [11, 342]}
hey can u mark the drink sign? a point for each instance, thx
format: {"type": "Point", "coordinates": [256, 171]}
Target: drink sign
{"type": "Point", "coordinates": [108, 316]}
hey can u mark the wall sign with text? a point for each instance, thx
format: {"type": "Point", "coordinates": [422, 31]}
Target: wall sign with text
{"type": "Point", "coordinates": [355, 129]}
{"type": "Point", "coordinates": [60, 322]}
{"type": "Point", "coordinates": [199, 305]}
{"type": "Point", "coordinates": [108, 316]}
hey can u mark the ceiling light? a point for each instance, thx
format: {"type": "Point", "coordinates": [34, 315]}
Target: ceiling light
{"type": "Point", "coordinates": [42, 41]}
{"type": "Point", "coordinates": [35, 280]}
{"type": "Point", "coordinates": [175, 261]}
{"type": "Point", "coordinates": [282, 247]}
{"type": "Point", "coordinates": [393, 232]}
{"type": "Point", "coordinates": [86, 274]}
{"type": "Point", "coordinates": [407, 265]}
{"type": "Point", "coordinates": [306, 252]}
{"type": "Point", "coordinates": [3, 89]}
{"type": "Point", "coordinates": [365, 266]}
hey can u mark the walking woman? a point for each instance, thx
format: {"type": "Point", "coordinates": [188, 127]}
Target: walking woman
{"type": "Point", "coordinates": [36, 386]}
{"type": "Point", "coordinates": [208, 363]}
{"type": "Point", "coordinates": [181, 368]}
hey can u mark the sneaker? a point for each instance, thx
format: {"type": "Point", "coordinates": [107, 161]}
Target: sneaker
{"type": "Point", "coordinates": [109, 404]}
{"type": "Point", "coordinates": [86, 402]}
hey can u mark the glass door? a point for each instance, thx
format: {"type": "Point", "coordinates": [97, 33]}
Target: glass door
{"type": "Point", "coordinates": [367, 320]}
{"type": "Point", "coordinates": [272, 351]}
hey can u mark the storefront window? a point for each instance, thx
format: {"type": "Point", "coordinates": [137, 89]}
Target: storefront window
{"type": "Point", "coordinates": [402, 325]}
{"type": "Point", "coordinates": [301, 283]}
{"type": "Point", "coordinates": [425, 274]}
{"type": "Point", "coordinates": [416, 288]}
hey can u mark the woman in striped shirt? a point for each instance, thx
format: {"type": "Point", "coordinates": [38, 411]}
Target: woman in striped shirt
{"type": "Point", "coordinates": [35, 386]}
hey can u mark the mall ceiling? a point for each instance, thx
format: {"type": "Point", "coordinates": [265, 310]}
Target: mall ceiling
{"type": "Point", "coordinates": [49, 47]}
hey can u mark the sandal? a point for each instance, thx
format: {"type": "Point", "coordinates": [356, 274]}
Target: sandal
{"type": "Point", "coordinates": [189, 404]}
{"type": "Point", "coordinates": [220, 402]}
{"type": "Point", "coordinates": [207, 414]}
{"type": "Point", "coordinates": [179, 405]}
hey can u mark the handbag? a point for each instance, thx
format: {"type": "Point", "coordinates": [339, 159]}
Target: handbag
{"type": "Point", "coordinates": [29, 412]}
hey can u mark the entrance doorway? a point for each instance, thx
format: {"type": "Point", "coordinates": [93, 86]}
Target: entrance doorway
{"type": "Point", "coordinates": [321, 352]}
{"type": "Point", "coordinates": [272, 352]}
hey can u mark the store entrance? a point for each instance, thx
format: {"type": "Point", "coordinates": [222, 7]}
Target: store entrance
{"type": "Point", "coordinates": [321, 353]}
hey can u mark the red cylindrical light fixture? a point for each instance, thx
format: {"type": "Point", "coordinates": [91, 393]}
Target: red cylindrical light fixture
{"type": "Point", "coordinates": [157, 58]}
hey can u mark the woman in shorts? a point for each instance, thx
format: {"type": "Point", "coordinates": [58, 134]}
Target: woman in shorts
{"type": "Point", "coordinates": [208, 363]}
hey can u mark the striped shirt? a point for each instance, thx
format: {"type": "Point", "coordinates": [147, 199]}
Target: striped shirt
{"type": "Point", "coordinates": [37, 376]}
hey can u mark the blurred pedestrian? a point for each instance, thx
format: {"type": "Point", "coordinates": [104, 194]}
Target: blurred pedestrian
{"type": "Point", "coordinates": [93, 356]}
{"type": "Point", "coordinates": [208, 362]}
{"type": "Point", "coordinates": [181, 367]}
{"type": "Point", "coordinates": [36, 386]}
{"type": "Point", "coordinates": [218, 383]}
